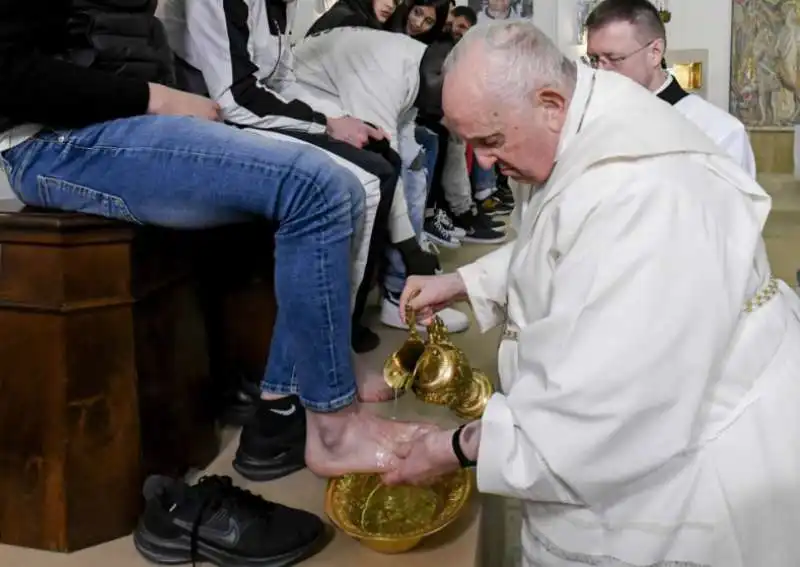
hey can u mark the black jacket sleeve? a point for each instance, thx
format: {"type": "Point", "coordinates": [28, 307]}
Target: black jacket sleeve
{"type": "Point", "coordinates": [39, 86]}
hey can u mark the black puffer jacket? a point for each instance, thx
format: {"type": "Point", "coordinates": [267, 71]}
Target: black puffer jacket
{"type": "Point", "coordinates": [122, 37]}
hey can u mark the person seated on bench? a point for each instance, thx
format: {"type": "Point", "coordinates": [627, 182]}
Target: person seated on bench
{"type": "Point", "coordinates": [385, 77]}
{"type": "Point", "coordinates": [121, 145]}
{"type": "Point", "coordinates": [243, 52]}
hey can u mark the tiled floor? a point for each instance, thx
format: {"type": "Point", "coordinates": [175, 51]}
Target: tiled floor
{"type": "Point", "coordinates": [500, 525]}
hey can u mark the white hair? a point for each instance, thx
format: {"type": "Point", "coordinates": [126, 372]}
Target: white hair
{"type": "Point", "coordinates": [520, 59]}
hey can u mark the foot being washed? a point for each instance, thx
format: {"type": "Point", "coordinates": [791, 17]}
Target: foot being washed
{"type": "Point", "coordinates": [371, 385]}
{"type": "Point", "coordinates": [355, 441]}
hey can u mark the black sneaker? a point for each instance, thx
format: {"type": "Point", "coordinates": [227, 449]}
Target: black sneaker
{"type": "Point", "coordinates": [438, 233]}
{"type": "Point", "coordinates": [477, 231]}
{"type": "Point", "coordinates": [489, 222]}
{"type": "Point", "coordinates": [495, 207]}
{"type": "Point", "coordinates": [217, 522]}
{"type": "Point", "coordinates": [273, 443]}
{"type": "Point", "coordinates": [505, 196]}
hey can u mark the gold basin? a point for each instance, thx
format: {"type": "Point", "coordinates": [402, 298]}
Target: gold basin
{"type": "Point", "coordinates": [395, 519]}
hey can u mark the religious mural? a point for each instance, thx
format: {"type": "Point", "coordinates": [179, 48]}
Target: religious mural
{"type": "Point", "coordinates": [765, 62]}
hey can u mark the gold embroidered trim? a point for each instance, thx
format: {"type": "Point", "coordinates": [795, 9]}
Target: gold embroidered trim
{"type": "Point", "coordinates": [761, 297]}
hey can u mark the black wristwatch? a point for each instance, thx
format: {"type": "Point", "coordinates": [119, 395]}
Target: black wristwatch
{"type": "Point", "coordinates": [462, 458]}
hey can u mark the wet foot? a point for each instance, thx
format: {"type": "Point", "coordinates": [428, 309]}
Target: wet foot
{"type": "Point", "coordinates": [355, 441]}
{"type": "Point", "coordinates": [371, 385]}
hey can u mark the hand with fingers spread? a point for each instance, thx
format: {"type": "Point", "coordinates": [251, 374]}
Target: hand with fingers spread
{"type": "Point", "coordinates": [353, 131]}
{"type": "Point", "coordinates": [426, 295]}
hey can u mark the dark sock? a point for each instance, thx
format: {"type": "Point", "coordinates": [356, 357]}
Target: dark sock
{"type": "Point", "coordinates": [274, 415]}
{"type": "Point", "coordinates": [417, 261]}
{"type": "Point", "coordinates": [364, 339]}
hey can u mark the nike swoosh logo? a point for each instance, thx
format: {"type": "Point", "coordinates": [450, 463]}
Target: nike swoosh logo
{"type": "Point", "coordinates": [229, 536]}
{"type": "Point", "coordinates": [285, 412]}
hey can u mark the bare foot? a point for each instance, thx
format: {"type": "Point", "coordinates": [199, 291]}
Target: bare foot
{"type": "Point", "coordinates": [355, 441]}
{"type": "Point", "coordinates": [371, 385]}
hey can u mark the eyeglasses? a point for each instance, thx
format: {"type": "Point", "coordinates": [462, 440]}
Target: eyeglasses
{"type": "Point", "coordinates": [594, 60]}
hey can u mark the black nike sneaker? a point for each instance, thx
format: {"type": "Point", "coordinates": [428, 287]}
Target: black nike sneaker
{"type": "Point", "coordinates": [273, 443]}
{"type": "Point", "coordinates": [217, 522]}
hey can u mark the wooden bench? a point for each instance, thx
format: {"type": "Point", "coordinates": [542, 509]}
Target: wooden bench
{"type": "Point", "coordinates": [115, 343]}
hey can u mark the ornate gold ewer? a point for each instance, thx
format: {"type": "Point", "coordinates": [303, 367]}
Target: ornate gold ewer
{"type": "Point", "coordinates": [437, 371]}
{"type": "Point", "coordinates": [398, 370]}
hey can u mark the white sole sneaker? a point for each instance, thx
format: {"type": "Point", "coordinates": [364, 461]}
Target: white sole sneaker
{"type": "Point", "coordinates": [452, 244]}
{"type": "Point", "coordinates": [454, 320]}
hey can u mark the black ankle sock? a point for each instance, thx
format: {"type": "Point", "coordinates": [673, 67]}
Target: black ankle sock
{"type": "Point", "coordinates": [416, 260]}
{"type": "Point", "coordinates": [274, 414]}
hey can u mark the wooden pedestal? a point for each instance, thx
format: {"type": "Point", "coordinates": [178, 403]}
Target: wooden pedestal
{"type": "Point", "coordinates": [104, 373]}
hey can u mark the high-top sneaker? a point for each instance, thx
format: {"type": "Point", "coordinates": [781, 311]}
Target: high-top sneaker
{"type": "Point", "coordinates": [454, 320]}
{"type": "Point", "coordinates": [447, 223]}
{"type": "Point", "coordinates": [437, 231]}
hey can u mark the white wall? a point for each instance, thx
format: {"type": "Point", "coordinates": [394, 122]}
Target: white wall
{"type": "Point", "coordinates": [695, 24]}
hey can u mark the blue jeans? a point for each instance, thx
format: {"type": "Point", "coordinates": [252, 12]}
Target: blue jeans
{"type": "Point", "coordinates": [430, 143]}
{"type": "Point", "coordinates": [415, 188]}
{"type": "Point", "coordinates": [184, 173]}
{"type": "Point", "coordinates": [483, 179]}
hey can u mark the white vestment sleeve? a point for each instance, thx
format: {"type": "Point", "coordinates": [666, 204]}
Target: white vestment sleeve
{"type": "Point", "coordinates": [737, 145]}
{"type": "Point", "coordinates": [486, 282]}
{"type": "Point", "coordinates": [611, 381]}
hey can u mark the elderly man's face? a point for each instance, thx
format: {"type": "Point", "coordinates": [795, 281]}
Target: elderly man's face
{"type": "Point", "coordinates": [521, 137]}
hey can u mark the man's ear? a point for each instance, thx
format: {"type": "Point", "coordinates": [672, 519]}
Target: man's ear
{"type": "Point", "coordinates": [554, 106]}
{"type": "Point", "coordinates": [657, 51]}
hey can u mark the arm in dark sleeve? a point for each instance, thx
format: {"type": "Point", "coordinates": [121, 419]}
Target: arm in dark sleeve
{"type": "Point", "coordinates": [38, 87]}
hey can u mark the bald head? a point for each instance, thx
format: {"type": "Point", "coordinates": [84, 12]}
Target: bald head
{"type": "Point", "coordinates": [507, 89]}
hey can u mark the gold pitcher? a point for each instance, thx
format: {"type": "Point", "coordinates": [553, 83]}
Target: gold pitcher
{"type": "Point", "coordinates": [398, 370]}
{"type": "Point", "coordinates": [442, 371]}
{"type": "Point", "coordinates": [437, 371]}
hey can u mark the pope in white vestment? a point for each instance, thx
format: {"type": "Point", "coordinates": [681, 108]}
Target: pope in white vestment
{"type": "Point", "coordinates": [650, 363]}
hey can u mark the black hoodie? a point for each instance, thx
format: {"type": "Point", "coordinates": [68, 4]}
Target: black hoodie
{"type": "Point", "coordinates": [347, 13]}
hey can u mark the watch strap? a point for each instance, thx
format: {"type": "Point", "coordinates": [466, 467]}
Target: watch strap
{"type": "Point", "coordinates": [462, 458]}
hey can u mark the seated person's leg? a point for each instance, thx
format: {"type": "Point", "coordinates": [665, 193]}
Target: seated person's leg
{"type": "Point", "coordinates": [152, 174]}
{"type": "Point", "coordinates": [394, 278]}
{"type": "Point", "coordinates": [379, 178]}
{"type": "Point", "coordinates": [430, 145]}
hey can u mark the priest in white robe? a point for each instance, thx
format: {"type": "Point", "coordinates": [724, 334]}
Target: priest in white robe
{"type": "Point", "coordinates": [650, 362]}
{"type": "Point", "coordinates": [628, 36]}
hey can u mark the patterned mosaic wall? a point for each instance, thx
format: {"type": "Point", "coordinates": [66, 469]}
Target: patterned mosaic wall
{"type": "Point", "coordinates": [765, 62]}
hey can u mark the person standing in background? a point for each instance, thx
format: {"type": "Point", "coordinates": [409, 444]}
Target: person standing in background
{"type": "Point", "coordinates": [628, 36]}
